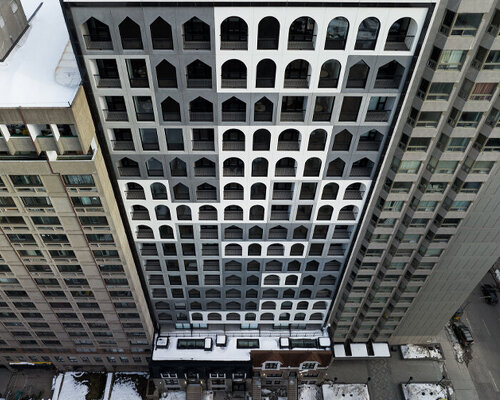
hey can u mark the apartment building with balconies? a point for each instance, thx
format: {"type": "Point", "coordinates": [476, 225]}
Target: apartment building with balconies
{"type": "Point", "coordinates": [70, 294]}
{"type": "Point", "coordinates": [431, 227]}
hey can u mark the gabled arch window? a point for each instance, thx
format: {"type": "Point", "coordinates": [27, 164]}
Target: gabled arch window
{"type": "Point", "coordinates": [130, 34]}
{"type": "Point", "coordinates": [268, 34]}
{"type": "Point", "coordinates": [302, 34]}
{"type": "Point", "coordinates": [161, 35]}
{"type": "Point", "coordinates": [336, 34]}
{"type": "Point", "coordinates": [234, 34]}
{"type": "Point", "coordinates": [266, 74]}
{"type": "Point", "coordinates": [196, 35]}
{"type": "Point", "coordinates": [367, 34]}
{"type": "Point", "coordinates": [97, 35]}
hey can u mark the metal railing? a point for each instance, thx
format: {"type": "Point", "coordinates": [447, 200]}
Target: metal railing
{"type": "Point", "coordinates": [233, 171]}
{"type": "Point", "coordinates": [298, 83]}
{"type": "Point", "coordinates": [167, 82]}
{"type": "Point", "coordinates": [203, 44]}
{"type": "Point", "coordinates": [282, 194]}
{"type": "Point", "coordinates": [115, 115]}
{"type": "Point", "coordinates": [129, 171]}
{"type": "Point", "coordinates": [322, 116]}
{"type": "Point", "coordinates": [353, 195]}
{"type": "Point", "coordinates": [360, 171]}
{"type": "Point", "coordinates": [284, 171]}
{"type": "Point", "coordinates": [368, 146]}
{"type": "Point", "coordinates": [267, 43]}
{"type": "Point", "coordinates": [378, 116]}
{"type": "Point", "coordinates": [135, 195]}
{"type": "Point", "coordinates": [233, 83]}
{"type": "Point", "coordinates": [400, 42]}
{"type": "Point", "coordinates": [347, 216]}
{"type": "Point", "coordinates": [207, 215]}
{"type": "Point", "coordinates": [328, 82]}
{"type": "Point", "coordinates": [203, 145]}
{"type": "Point", "coordinates": [335, 44]}
{"type": "Point", "coordinates": [389, 82]}
{"type": "Point", "coordinates": [233, 194]}
{"type": "Point", "coordinates": [171, 116]}
{"type": "Point", "coordinates": [132, 43]}
{"type": "Point", "coordinates": [233, 145]}
{"type": "Point", "coordinates": [95, 42]}
{"type": "Point", "coordinates": [263, 116]}
{"type": "Point", "coordinates": [265, 82]}
{"type": "Point", "coordinates": [280, 215]}
{"type": "Point", "coordinates": [107, 82]}
{"type": "Point", "coordinates": [234, 44]}
{"type": "Point", "coordinates": [199, 83]}
{"type": "Point", "coordinates": [139, 82]}
{"type": "Point", "coordinates": [162, 43]}
{"type": "Point", "coordinates": [145, 116]}
{"type": "Point", "coordinates": [122, 145]}
{"type": "Point", "coordinates": [234, 116]}
{"type": "Point", "coordinates": [288, 145]}
{"type": "Point", "coordinates": [206, 195]}
{"type": "Point", "coordinates": [204, 171]}
{"type": "Point", "coordinates": [140, 215]}
{"type": "Point", "coordinates": [200, 116]}
{"type": "Point", "coordinates": [233, 215]}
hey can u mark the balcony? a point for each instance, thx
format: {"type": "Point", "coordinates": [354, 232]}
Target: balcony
{"type": "Point", "coordinates": [145, 116]}
{"type": "Point", "coordinates": [171, 116]}
{"type": "Point", "coordinates": [293, 116]}
{"type": "Point", "coordinates": [400, 42]}
{"type": "Point", "coordinates": [209, 234]}
{"type": "Point", "coordinates": [129, 171]}
{"type": "Point", "coordinates": [140, 216]}
{"type": "Point", "coordinates": [265, 82]}
{"type": "Point", "coordinates": [391, 82]}
{"type": "Point", "coordinates": [267, 43]}
{"type": "Point", "coordinates": [199, 83]}
{"type": "Point", "coordinates": [280, 215]}
{"type": "Point", "coordinates": [135, 195]}
{"type": "Point", "coordinates": [206, 195]}
{"type": "Point", "coordinates": [93, 42]}
{"type": "Point", "coordinates": [234, 116]}
{"type": "Point", "coordinates": [353, 195]}
{"type": "Point", "coordinates": [285, 171]}
{"type": "Point", "coordinates": [347, 215]}
{"type": "Point", "coordinates": [301, 44]}
{"type": "Point", "coordinates": [233, 215]}
{"type": "Point", "coordinates": [282, 194]}
{"type": "Point", "coordinates": [145, 233]}
{"type": "Point", "coordinates": [234, 44]}
{"type": "Point", "coordinates": [160, 43]}
{"type": "Point", "coordinates": [335, 44]}
{"type": "Point", "coordinates": [203, 145]}
{"type": "Point", "coordinates": [233, 83]}
{"type": "Point", "coordinates": [368, 146]}
{"type": "Point", "coordinates": [233, 171]}
{"type": "Point", "coordinates": [277, 234]}
{"type": "Point", "coordinates": [107, 82]}
{"type": "Point", "coordinates": [204, 171]}
{"type": "Point", "coordinates": [200, 44]}
{"type": "Point", "coordinates": [233, 194]}
{"type": "Point", "coordinates": [300, 83]}
{"type": "Point", "coordinates": [201, 116]}
{"type": "Point", "coordinates": [378, 116]}
{"type": "Point", "coordinates": [233, 234]}
{"type": "Point", "coordinates": [115, 116]}
{"type": "Point", "coordinates": [288, 145]}
{"type": "Point", "coordinates": [233, 146]}
{"type": "Point", "coordinates": [361, 171]}
{"type": "Point", "coordinates": [122, 145]}
{"type": "Point", "coordinates": [207, 215]}
{"type": "Point", "coordinates": [138, 82]}
{"type": "Point", "coordinates": [328, 83]}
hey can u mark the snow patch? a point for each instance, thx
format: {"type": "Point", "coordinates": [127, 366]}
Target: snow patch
{"type": "Point", "coordinates": [109, 381]}
{"type": "Point", "coordinates": [125, 388]}
{"type": "Point", "coordinates": [309, 392]}
{"type": "Point", "coordinates": [56, 386]}
{"type": "Point", "coordinates": [425, 391]}
{"type": "Point", "coordinates": [72, 389]}
{"type": "Point", "coordinates": [176, 395]}
{"type": "Point", "coordinates": [419, 352]}
{"type": "Point", "coordinates": [354, 391]}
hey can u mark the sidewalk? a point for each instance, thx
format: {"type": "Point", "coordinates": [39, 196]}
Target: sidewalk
{"type": "Point", "coordinates": [457, 372]}
{"type": "Point", "coordinates": [387, 374]}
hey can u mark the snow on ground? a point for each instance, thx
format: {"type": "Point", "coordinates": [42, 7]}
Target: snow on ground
{"type": "Point", "coordinates": [354, 391]}
{"type": "Point", "coordinates": [125, 388]}
{"type": "Point", "coordinates": [175, 395]}
{"type": "Point", "coordinates": [309, 392]}
{"type": "Point", "coordinates": [415, 352]}
{"type": "Point", "coordinates": [207, 395]}
{"type": "Point", "coordinates": [56, 386]}
{"type": "Point", "coordinates": [107, 389]}
{"type": "Point", "coordinates": [425, 391]}
{"type": "Point", "coordinates": [71, 389]}
{"type": "Point", "coordinates": [457, 348]}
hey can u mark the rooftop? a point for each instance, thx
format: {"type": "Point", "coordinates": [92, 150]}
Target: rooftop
{"type": "Point", "coordinates": [41, 70]}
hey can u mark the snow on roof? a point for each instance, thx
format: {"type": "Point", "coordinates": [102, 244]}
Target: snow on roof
{"type": "Point", "coordinates": [41, 70]}
{"type": "Point", "coordinates": [353, 391]}
{"type": "Point", "coordinates": [426, 391]}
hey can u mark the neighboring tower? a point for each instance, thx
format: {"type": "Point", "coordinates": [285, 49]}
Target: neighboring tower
{"type": "Point", "coordinates": [70, 294]}
{"type": "Point", "coordinates": [432, 225]}
{"type": "Point", "coordinates": [13, 23]}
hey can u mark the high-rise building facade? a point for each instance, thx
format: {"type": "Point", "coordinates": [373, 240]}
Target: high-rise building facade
{"type": "Point", "coordinates": [431, 228]}
{"type": "Point", "coordinates": [70, 294]}
{"type": "Point", "coordinates": [296, 169]}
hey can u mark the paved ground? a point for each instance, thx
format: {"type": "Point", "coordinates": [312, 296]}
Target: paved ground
{"type": "Point", "coordinates": [31, 382]}
{"type": "Point", "coordinates": [385, 375]}
{"type": "Point", "coordinates": [484, 321]}
{"type": "Point", "coordinates": [4, 380]}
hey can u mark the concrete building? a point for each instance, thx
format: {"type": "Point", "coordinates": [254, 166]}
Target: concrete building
{"type": "Point", "coordinates": [70, 294]}
{"type": "Point", "coordinates": [296, 170]}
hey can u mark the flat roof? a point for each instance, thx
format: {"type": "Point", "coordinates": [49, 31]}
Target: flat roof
{"type": "Point", "coordinates": [268, 2]}
{"type": "Point", "coordinates": [41, 70]}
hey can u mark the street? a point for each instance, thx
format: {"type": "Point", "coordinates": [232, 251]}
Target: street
{"type": "Point", "coordinates": [484, 322]}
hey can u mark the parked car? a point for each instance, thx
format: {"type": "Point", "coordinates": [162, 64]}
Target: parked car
{"type": "Point", "coordinates": [489, 293]}
{"type": "Point", "coordinates": [463, 334]}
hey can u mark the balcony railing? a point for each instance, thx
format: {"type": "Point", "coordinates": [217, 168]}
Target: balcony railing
{"type": "Point", "coordinates": [178, 172]}
{"type": "Point", "coordinates": [163, 43]}
{"type": "Point", "coordinates": [207, 215]}
{"type": "Point", "coordinates": [139, 82]}
{"type": "Point", "coordinates": [300, 83]}
{"type": "Point", "coordinates": [135, 195]}
{"type": "Point", "coordinates": [322, 116]}
{"type": "Point", "coordinates": [304, 42]}
{"type": "Point", "coordinates": [131, 43]}
{"type": "Point", "coordinates": [267, 43]}
{"type": "Point", "coordinates": [206, 195]}
{"type": "Point", "coordinates": [263, 116]}
{"type": "Point", "coordinates": [129, 171]}
{"type": "Point", "coordinates": [227, 83]}
{"type": "Point", "coordinates": [115, 115]}
{"type": "Point", "coordinates": [353, 195]}
{"type": "Point", "coordinates": [233, 145]}
{"type": "Point", "coordinates": [167, 83]}
{"type": "Point", "coordinates": [288, 145]}
{"type": "Point", "coordinates": [107, 82]}
{"type": "Point", "coordinates": [121, 145]}
{"type": "Point", "coordinates": [378, 116]}
{"type": "Point", "coordinates": [399, 42]}
{"type": "Point", "coordinates": [197, 44]}
{"type": "Point", "coordinates": [145, 116]}
{"type": "Point", "coordinates": [285, 171]}
{"type": "Point", "coordinates": [265, 82]}
{"type": "Point", "coordinates": [278, 234]}
{"type": "Point", "coordinates": [293, 116]}
{"type": "Point", "coordinates": [233, 194]}
{"type": "Point", "coordinates": [147, 234]}
{"type": "Point", "coordinates": [204, 171]}
{"type": "Point", "coordinates": [280, 215]}
{"type": "Point", "coordinates": [328, 83]}
{"type": "Point", "coordinates": [209, 234]}
{"type": "Point", "coordinates": [233, 171]}
{"type": "Point", "coordinates": [335, 44]}
{"type": "Point", "coordinates": [368, 146]}
{"type": "Point", "coordinates": [234, 116]}
{"type": "Point", "coordinates": [151, 146]}
{"type": "Point", "coordinates": [200, 116]}
{"type": "Point", "coordinates": [98, 43]}
{"type": "Point", "coordinates": [282, 194]}
{"type": "Point", "coordinates": [347, 216]}
{"type": "Point", "coordinates": [171, 116]}
{"type": "Point", "coordinates": [199, 83]}
{"type": "Point", "coordinates": [234, 44]}
{"type": "Point", "coordinates": [155, 172]}
{"type": "Point", "coordinates": [140, 215]}
{"type": "Point", "coordinates": [341, 235]}
{"type": "Point", "coordinates": [389, 82]}
{"type": "Point", "coordinates": [360, 171]}
{"type": "Point", "coordinates": [233, 234]}
{"type": "Point", "coordinates": [203, 145]}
